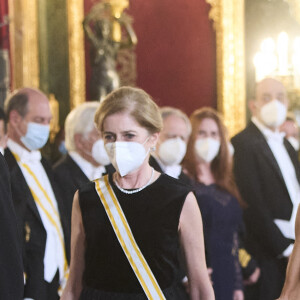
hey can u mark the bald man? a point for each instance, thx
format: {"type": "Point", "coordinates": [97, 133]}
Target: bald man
{"type": "Point", "coordinates": [268, 175]}
{"type": "Point", "coordinates": [39, 208]}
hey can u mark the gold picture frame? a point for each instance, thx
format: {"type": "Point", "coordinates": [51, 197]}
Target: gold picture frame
{"type": "Point", "coordinates": [228, 17]}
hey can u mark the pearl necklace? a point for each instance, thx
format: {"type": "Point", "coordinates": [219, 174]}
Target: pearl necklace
{"type": "Point", "coordinates": [136, 190]}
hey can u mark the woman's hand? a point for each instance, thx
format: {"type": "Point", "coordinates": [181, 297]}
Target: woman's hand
{"type": "Point", "coordinates": [253, 277]}
{"type": "Point", "coordinates": [238, 295]}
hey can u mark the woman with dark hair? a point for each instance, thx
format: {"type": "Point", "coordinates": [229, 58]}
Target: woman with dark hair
{"type": "Point", "coordinates": [208, 162]}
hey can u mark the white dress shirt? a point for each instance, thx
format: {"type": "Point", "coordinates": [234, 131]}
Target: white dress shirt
{"type": "Point", "coordinates": [275, 142]}
{"type": "Point", "coordinates": [90, 171]}
{"type": "Point", "coordinates": [54, 258]}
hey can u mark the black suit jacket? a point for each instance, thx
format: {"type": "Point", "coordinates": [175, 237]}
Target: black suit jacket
{"type": "Point", "coordinates": [262, 186]}
{"type": "Point", "coordinates": [70, 178]}
{"type": "Point", "coordinates": [30, 225]}
{"type": "Point", "coordinates": [11, 265]}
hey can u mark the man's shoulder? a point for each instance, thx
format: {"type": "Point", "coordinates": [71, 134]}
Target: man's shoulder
{"type": "Point", "coordinates": [247, 135]}
{"type": "Point", "coordinates": [61, 164]}
{"type": "Point", "coordinates": [65, 165]}
{"type": "Point", "coordinates": [11, 161]}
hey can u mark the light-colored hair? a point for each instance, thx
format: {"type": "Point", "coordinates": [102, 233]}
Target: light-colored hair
{"type": "Point", "coordinates": [79, 120]}
{"type": "Point", "coordinates": [134, 101]}
{"type": "Point", "coordinates": [167, 111]}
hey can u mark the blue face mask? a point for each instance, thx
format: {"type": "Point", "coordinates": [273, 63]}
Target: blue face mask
{"type": "Point", "coordinates": [62, 148]}
{"type": "Point", "coordinates": [36, 136]}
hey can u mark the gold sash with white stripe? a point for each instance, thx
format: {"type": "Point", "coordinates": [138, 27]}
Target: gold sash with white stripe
{"type": "Point", "coordinates": [54, 219]}
{"type": "Point", "coordinates": [126, 239]}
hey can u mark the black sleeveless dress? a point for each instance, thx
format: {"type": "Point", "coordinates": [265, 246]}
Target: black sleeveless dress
{"type": "Point", "coordinates": [153, 216]}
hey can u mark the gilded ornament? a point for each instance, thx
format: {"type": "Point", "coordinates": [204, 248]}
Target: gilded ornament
{"type": "Point", "coordinates": [76, 52]}
{"type": "Point", "coordinates": [228, 18]}
{"type": "Point", "coordinates": [24, 42]}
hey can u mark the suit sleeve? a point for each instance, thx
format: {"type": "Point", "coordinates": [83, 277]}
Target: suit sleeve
{"type": "Point", "coordinates": [257, 215]}
{"type": "Point", "coordinates": [11, 267]}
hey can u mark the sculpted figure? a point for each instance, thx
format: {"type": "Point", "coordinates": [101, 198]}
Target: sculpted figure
{"type": "Point", "coordinates": [108, 29]}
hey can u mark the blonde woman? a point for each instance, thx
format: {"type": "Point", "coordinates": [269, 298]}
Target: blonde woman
{"type": "Point", "coordinates": [161, 214]}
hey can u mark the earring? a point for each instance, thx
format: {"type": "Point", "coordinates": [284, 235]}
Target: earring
{"type": "Point", "coordinates": [152, 149]}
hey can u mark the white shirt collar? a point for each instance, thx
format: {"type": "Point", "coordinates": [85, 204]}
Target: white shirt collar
{"type": "Point", "coordinates": [90, 171]}
{"type": "Point", "coordinates": [23, 154]}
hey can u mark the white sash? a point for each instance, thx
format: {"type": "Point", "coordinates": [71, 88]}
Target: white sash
{"type": "Point", "coordinates": [126, 239]}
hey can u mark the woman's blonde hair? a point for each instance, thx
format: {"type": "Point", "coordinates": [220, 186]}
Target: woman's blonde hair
{"type": "Point", "coordinates": [136, 102]}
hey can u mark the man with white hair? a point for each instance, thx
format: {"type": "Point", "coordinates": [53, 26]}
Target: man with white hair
{"type": "Point", "coordinates": [171, 146]}
{"type": "Point", "coordinates": [86, 158]}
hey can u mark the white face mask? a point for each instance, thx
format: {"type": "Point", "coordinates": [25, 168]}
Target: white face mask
{"type": "Point", "coordinates": [126, 156]}
{"type": "Point", "coordinates": [207, 148]}
{"type": "Point", "coordinates": [99, 153]}
{"type": "Point", "coordinates": [230, 149]}
{"type": "Point", "coordinates": [273, 113]}
{"type": "Point", "coordinates": [172, 151]}
{"type": "Point", "coordinates": [294, 142]}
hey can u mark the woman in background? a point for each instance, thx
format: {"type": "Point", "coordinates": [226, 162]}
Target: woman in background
{"type": "Point", "coordinates": [208, 163]}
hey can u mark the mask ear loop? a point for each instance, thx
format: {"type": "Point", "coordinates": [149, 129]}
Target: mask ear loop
{"type": "Point", "coordinates": [151, 149]}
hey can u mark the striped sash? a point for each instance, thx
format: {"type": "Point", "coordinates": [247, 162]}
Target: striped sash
{"type": "Point", "coordinates": [38, 192]}
{"type": "Point", "coordinates": [126, 239]}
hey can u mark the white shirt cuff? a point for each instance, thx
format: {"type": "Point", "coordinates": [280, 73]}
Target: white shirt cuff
{"type": "Point", "coordinates": [288, 251]}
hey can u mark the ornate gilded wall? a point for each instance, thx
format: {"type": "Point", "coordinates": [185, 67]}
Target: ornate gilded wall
{"type": "Point", "coordinates": [39, 47]}
{"type": "Point", "coordinates": [228, 17]}
{"type": "Point", "coordinates": [24, 42]}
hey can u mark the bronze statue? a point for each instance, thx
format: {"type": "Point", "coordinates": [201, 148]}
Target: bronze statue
{"type": "Point", "coordinates": [108, 29]}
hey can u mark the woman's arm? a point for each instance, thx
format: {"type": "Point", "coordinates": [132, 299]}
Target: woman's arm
{"type": "Point", "coordinates": [74, 283]}
{"type": "Point", "coordinates": [291, 288]}
{"type": "Point", "coordinates": [192, 242]}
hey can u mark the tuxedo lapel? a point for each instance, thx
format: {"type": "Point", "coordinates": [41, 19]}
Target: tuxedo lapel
{"type": "Point", "coordinates": [77, 173]}
{"type": "Point", "coordinates": [263, 147]}
{"type": "Point", "coordinates": [294, 158]}
{"type": "Point", "coordinates": [21, 186]}
{"type": "Point", "coordinates": [52, 183]}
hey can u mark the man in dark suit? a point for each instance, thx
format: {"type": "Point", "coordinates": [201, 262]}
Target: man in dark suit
{"type": "Point", "coordinates": [36, 198]}
{"type": "Point", "coordinates": [11, 265]}
{"type": "Point", "coordinates": [268, 175]}
{"type": "Point", "coordinates": [171, 146]}
{"type": "Point", "coordinates": [86, 158]}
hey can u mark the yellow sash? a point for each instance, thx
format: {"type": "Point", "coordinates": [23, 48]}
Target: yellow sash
{"type": "Point", "coordinates": [50, 218]}
{"type": "Point", "coordinates": [126, 239]}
